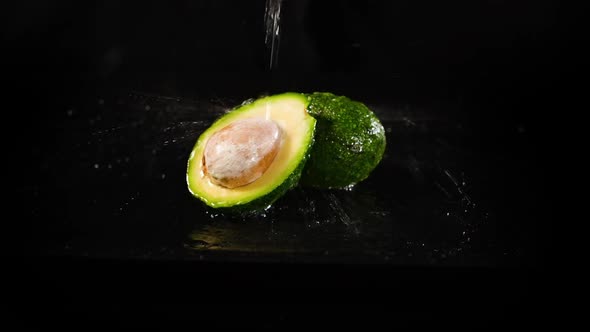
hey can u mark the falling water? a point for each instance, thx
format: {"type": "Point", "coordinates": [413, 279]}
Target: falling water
{"type": "Point", "coordinates": [272, 18]}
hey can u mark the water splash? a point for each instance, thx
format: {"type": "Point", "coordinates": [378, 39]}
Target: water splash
{"type": "Point", "coordinates": [248, 101]}
{"type": "Point", "coordinates": [339, 211]}
{"type": "Point", "coordinates": [272, 18]}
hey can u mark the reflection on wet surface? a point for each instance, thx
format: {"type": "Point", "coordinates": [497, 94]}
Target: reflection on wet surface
{"type": "Point", "coordinates": [119, 176]}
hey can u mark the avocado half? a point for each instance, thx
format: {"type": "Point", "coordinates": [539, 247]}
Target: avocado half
{"type": "Point", "coordinates": [349, 142]}
{"type": "Point", "coordinates": [289, 112]}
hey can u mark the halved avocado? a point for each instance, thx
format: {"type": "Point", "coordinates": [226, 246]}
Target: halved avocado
{"type": "Point", "coordinates": [288, 111]}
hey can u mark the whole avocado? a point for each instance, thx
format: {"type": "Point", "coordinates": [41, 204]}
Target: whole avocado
{"type": "Point", "coordinates": [349, 142]}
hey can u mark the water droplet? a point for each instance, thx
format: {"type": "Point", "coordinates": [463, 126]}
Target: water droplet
{"type": "Point", "coordinates": [96, 166]}
{"type": "Point", "coordinates": [248, 101]}
{"type": "Point", "coordinates": [163, 176]}
{"type": "Point", "coordinates": [350, 187]}
{"type": "Point", "coordinates": [357, 148]}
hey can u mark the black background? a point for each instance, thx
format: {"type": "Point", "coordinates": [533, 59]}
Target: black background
{"type": "Point", "coordinates": [504, 55]}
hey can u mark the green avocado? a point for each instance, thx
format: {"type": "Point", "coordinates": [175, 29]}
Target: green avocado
{"type": "Point", "coordinates": [349, 142]}
{"type": "Point", "coordinates": [288, 111]}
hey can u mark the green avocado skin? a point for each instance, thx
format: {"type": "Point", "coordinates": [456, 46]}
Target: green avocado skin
{"type": "Point", "coordinates": [349, 142]}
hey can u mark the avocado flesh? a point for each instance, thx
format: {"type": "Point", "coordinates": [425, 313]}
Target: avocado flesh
{"type": "Point", "coordinates": [349, 142]}
{"type": "Point", "coordinates": [289, 111]}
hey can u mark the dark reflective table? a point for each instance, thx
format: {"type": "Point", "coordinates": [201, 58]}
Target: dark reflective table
{"type": "Point", "coordinates": [116, 177]}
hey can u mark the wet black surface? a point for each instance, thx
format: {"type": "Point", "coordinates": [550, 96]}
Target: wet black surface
{"type": "Point", "coordinates": [115, 181]}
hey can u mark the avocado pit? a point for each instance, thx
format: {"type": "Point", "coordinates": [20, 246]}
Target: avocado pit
{"type": "Point", "coordinates": [241, 152]}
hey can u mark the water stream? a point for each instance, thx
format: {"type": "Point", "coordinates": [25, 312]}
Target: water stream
{"type": "Point", "coordinates": [272, 20]}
